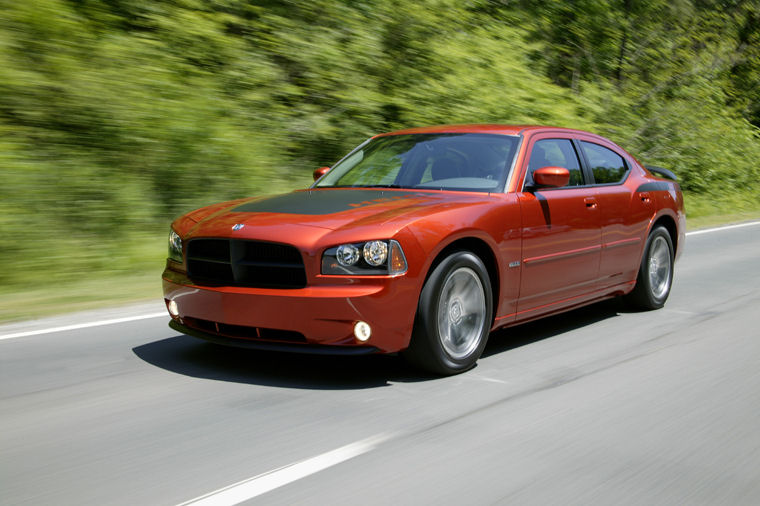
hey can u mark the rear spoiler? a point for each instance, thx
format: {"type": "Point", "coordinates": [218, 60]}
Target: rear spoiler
{"type": "Point", "coordinates": [661, 172]}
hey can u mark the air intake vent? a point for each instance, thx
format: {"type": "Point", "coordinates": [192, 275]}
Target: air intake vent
{"type": "Point", "coordinates": [244, 332]}
{"type": "Point", "coordinates": [234, 262]}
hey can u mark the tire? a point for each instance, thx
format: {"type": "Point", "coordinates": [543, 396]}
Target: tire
{"type": "Point", "coordinates": [655, 272]}
{"type": "Point", "coordinates": [454, 316]}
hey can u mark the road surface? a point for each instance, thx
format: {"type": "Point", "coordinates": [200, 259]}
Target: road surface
{"type": "Point", "coordinates": [597, 406]}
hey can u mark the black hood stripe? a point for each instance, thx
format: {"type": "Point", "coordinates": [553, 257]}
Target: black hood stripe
{"type": "Point", "coordinates": [324, 201]}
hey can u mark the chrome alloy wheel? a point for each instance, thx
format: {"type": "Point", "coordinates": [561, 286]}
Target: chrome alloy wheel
{"type": "Point", "coordinates": [660, 267]}
{"type": "Point", "coordinates": [461, 313]}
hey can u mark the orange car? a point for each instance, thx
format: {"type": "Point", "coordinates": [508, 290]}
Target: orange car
{"type": "Point", "coordinates": [423, 241]}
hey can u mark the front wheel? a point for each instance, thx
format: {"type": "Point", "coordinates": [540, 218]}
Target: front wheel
{"type": "Point", "coordinates": [453, 316]}
{"type": "Point", "coordinates": [655, 272]}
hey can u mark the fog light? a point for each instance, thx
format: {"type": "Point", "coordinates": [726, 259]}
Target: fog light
{"type": "Point", "coordinates": [173, 309]}
{"type": "Point", "coordinates": [362, 331]}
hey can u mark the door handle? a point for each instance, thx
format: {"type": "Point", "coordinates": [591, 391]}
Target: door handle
{"type": "Point", "coordinates": [590, 202]}
{"type": "Point", "coordinates": [644, 196]}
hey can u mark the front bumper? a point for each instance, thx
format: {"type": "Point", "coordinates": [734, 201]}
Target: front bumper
{"type": "Point", "coordinates": [320, 316]}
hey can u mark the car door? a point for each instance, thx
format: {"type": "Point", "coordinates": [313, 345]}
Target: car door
{"type": "Point", "coordinates": [624, 211]}
{"type": "Point", "coordinates": [561, 236]}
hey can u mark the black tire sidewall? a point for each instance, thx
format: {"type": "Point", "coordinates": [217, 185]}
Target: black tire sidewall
{"type": "Point", "coordinates": [647, 294]}
{"type": "Point", "coordinates": [426, 327]}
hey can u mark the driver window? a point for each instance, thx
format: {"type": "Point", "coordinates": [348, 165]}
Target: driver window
{"type": "Point", "coordinates": [556, 153]}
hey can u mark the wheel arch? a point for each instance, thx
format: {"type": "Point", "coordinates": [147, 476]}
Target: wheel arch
{"type": "Point", "coordinates": [482, 250]}
{"type": "Point", "coordinates": [669, 223]}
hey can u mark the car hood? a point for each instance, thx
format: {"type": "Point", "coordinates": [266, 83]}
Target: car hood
{"type": "Point", "coordinates": [324, 209]}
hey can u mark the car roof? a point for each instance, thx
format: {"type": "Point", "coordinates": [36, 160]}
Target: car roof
{"type": "Point", "coordinates": [481, 129]}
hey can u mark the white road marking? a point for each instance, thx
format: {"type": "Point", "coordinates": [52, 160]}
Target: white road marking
{"type": "Point", "coordinates": [158, 315]}
{"type": "Point", "coordinates": [266, 482]}
{"type": "Point", "coordinates": [84, 325]}
{"type": "Point", "coordinates": [726, 227]}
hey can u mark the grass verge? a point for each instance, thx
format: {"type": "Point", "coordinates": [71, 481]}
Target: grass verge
{"type": "Point", "coordinates": [106, 291]}
{"type": "Point", "coordinates": [76, 278]}
{"type": "Point", "coordinates": [703, 211]}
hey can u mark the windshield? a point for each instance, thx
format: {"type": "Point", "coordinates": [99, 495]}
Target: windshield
{"type": "Point", "coordinates": [446, 161]}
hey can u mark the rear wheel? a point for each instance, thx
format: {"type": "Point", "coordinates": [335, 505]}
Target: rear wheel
{"type": "Point", "coordinates": [453, 316]}
{"type": "Point", "coordinates": [655, 272]}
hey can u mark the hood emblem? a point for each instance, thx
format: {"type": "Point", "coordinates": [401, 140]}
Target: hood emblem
{"type": "Point", "coordinates": [237, 226]}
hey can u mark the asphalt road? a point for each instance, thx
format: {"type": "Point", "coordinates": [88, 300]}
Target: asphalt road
{"type": "Point", "coordinates": [596, 406]}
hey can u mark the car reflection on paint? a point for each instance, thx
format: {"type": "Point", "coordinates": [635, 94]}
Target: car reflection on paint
{"type": "Point", "coordinates": [425, 240]}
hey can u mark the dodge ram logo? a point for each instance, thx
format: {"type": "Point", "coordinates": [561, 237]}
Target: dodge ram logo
{"type": "Point", "coordinates": [237, 226]}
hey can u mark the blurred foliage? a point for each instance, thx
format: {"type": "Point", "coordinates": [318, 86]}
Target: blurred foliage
{"type": "Point", "coordinates": [117, 116]}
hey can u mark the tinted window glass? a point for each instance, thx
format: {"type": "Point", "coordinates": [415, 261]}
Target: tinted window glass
{"type": "Point", "coordinates": [556, 153]}
{"type": "Point", "coordinates": [607, 166]}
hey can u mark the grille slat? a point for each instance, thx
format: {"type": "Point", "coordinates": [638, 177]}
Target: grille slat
{"type": "Point", "coordinates": [235, 262]}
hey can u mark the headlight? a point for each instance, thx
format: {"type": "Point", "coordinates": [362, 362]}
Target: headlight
{"type": "Point", "coordinates": [371, 258]}
{"type": "Point", "coordinates": [175, 246]}
{"type": "Point", "coordinates": [347, 255]}
{"type": "Point", "coordinates": [375, 253]}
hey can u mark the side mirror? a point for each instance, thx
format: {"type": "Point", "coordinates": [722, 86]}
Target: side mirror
{"type": "Point", "coordinates": [320, 172]}
{"type": "Point", "coordinates": [552, 177]}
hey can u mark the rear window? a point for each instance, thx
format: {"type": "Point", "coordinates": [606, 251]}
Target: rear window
{"type": "Point", "coordinates": [607, 166]}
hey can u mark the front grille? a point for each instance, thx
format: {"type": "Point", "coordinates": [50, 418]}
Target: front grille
{"type": "Point", "coordinates": [235, 262]}
{"type": "Point", "coordinates": [245, 332]}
